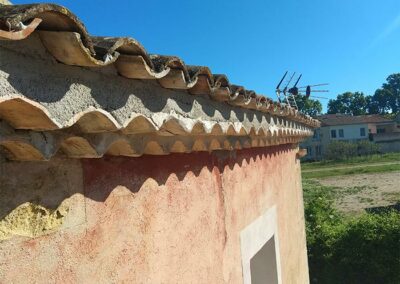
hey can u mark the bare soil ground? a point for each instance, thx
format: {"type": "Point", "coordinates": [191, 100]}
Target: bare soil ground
{"type": "Point", "coordinates": [357, 192]}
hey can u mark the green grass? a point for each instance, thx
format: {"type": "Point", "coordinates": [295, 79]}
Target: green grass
{"type": "Point", "coordinates": [355, 189]}
{"type": "Point", "coordinates": [312, 187]}
{"type": "Point", "coordinates": [366, 200]}
{"type": "Point", "coordinates": [389, 157]}
{"type": "Point", "coordinates": [351, 171]}
{"type": "Point", "coordinates": [392, 196]}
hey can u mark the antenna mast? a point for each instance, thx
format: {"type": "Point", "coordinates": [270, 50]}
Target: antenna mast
{"type": "Point", "coordinates": [291, 93]}
{"type": "Point", "coordinates": [289, 98]}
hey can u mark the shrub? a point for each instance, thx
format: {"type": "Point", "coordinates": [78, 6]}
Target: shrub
{"type": "Point", "coordinates": [368, 251]}
{"type": "Point", "coordinates": [339, 150]}
{"type": "Point", "coordinates": [362, 249]}
{"type": "Point", "coordinates": [366, 148]}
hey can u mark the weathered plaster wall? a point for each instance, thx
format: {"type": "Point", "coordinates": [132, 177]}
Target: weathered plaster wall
{"type": "Point", "coordinates": [37, 198]}
{"type": "Point", "coordinates": [152, 219]}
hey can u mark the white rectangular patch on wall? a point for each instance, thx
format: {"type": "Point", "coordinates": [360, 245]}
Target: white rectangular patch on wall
{"type": "Point", "coordinates": [259, 246]}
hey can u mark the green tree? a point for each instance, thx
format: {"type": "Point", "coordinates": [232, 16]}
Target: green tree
{"type": "Point", "coordinates": [308, 106]}
{"type": "Point", "coordinates": [349, 103]}
{"type": "Point", "coordinates": [381, 101]}
{"type": "Point", "coordinates": [372, 105]}
{"type": "Point", "coordinates": [385, 100]}
{"type": "Point", "coordinates": [341, 104]}
{"type": "Point", "coordinates": [359, 104]}
{"type": "Point", "coordinates": [392, 85]}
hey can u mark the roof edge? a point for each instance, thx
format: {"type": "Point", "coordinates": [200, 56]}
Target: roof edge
{"type": "Point", "coordinates": [66, 38]}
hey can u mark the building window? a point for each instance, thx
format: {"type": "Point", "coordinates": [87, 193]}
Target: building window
{"type": "Point", "coordinates": [263, 267]}
{"type": "Point", "coordinates": [380, 130]}
{"type": "Point", "coordinates": [315, 136]}
{"type": "Point", "coordinates": [341, 133]}
{"type": "Point", "coordinates": [333, 133]}
{"type": "Point", "coordinates": [259, 246]}
{"type": "Point", "coordinates": [362, 132]}
{"type": "Point", "coordinates": [318, 150]}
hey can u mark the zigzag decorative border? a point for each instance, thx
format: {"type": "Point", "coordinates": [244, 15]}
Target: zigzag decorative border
{"type": "Point", "coordinates": [23, 113]}
{"type": "Point", "coordinates": [31, 145]}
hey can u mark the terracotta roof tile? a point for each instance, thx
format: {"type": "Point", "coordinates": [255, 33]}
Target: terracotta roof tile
{"type": "Point", "coordinates": [343, 119]}
{"type": "Point", "coordinates": [67, 40]}
{"type": "Point", "coordinates": [33, 130]}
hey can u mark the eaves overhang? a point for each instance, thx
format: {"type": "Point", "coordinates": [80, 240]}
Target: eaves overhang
{"type": "Point", "coordinates": [155, 104]}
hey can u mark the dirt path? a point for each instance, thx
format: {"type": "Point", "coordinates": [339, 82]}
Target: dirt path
{"type": "Point", "coordinates": [350, 166]}
{"type": "Point", "coordinates": [356, 192]}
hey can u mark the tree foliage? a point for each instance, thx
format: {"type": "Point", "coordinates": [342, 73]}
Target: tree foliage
{"type": "Point", "coordinates": [385, 100]}
{"type": "Point", "coordinates": [349, 103]}
{"type": "Point", "coordinates": [392, 86]}
{"type": "Point", "coordinates": [308, 106]}
{"type": "Point", "coordinates": [380, 101]}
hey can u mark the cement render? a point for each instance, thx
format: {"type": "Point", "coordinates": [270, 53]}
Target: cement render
{"type": "Point", "coordinates": [150, 219]}
{"type": "Point", "coordinates": [67, 90]}
{"type": "Point", "coordinates": [154, 219]}
{"type": "Point", "coordinates": [38, 198]}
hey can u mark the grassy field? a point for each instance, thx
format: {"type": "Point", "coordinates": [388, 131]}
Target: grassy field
{"type": "Point", "coordinates": [337, 171]}
{"type": "Point", "coordinates": [385, 158]}
{"type": "Point", "coordinates": [357, 183]}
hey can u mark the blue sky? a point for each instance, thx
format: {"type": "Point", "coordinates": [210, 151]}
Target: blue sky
{"type": "Point", "coordinates": [354, 45]}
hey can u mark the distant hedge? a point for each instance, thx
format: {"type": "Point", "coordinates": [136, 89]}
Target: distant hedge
{"type": "Point", "coordinates": [339, 150]}
{"type": "Point", "coordinates": [363, 249]}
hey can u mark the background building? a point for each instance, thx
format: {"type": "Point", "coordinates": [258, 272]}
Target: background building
{"type": "Point", "coordinates": [342, 127]}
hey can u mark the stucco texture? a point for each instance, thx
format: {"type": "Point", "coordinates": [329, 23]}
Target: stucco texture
{"type": "Point", "coordinates": [153, 219]}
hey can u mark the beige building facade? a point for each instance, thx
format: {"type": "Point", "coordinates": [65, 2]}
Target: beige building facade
{"type": "Point", "coordinates": [341, 127]}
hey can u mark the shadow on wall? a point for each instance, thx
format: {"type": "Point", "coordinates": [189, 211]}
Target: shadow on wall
{"type": "Point", "coordinates": [101, 176]}
{"type": "Point", "coordinates": [49, 183]}
{"type": "Point", "coordinates": [35, 196]}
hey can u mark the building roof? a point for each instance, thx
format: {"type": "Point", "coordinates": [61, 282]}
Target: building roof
{"type": "Point", "coordinates": [63, 36]}
{"type": "Point", "coordinates": [344, 119]}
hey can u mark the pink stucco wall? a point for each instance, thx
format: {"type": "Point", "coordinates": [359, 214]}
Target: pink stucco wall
{"type": "Point", "coordinates": [155, 219]}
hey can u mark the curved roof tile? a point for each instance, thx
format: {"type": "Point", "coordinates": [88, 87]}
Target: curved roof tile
{"type": "Point", "coordinates": [67, 39]}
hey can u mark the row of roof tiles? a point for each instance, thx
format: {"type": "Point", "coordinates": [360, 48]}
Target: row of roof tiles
{"type": "Point", "coordinates": [344, 119]}
{"type": "Point", "coordinates": [66, 38]}
{"type": "Point", "coordinates": [32, 145]}
{"type": "Point", "coordinates": [23, 113]}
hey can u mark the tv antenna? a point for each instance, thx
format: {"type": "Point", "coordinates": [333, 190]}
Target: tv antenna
{"type": "Point", "coordinates": [288, 98]}
{"type": "Point", "coordinates": [288, 95]}
{"type": "Point", "coordinates": [306, 90]}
